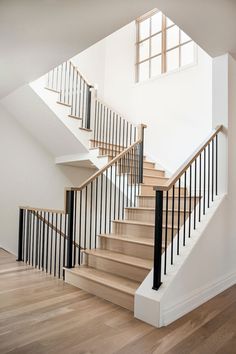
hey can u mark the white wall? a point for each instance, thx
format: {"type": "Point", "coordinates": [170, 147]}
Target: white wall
{"type": "Point", "coordinates": [91, 64]}
{"type": "Point", "coordinates": [28, 176]}
{"type": "Point", "coordinates": [176, 107]}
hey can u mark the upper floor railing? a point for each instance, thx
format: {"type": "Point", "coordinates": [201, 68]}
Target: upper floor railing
{"type": "Point", "coordinates": [111, 132]}
{"type": "Point", "coordinates": [181, 203]}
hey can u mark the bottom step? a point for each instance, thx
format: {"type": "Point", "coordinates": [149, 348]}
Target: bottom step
{"type": "Point", "coordinates": [113, 288]}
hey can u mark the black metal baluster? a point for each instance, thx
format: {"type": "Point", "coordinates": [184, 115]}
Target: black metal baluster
{"type": "Point", "coordinates": [91, 215]}
{"type": "Point", "coordinates": [110, 206]}
{"type": "Point", "coordinates": [178, 218]}
{"type": "Point", "coordinates": [172, 224]}
{"type": "Point", "coordinates": [216, 164]}
{"type": "Point", "coordinates": [212, 167]}
{"type": "Point", "coordinates": [96, 211]}
{"type": "Point", "coordinates": [166, 230]}
{"type": "Point", "coordinates": [47, 240]}
{"type": "Point", "coordinates": [51, 246]}
{"type": "Point", "coordinates": [200, 186]}
{"type": "Point", "coordinates": [105, 209]}
{"type": "Point", "coordinates": [204, 182]}
{"type": "Point", "coordinates": [59, 251]}
{"type": "Point", "coordinates": [195, 197]}
{"type": "Point", "coordinates": [85, 217]}
{"type": "Point", "coordinates": [190, 200]}
{"type": "Point", "coordinates": [158, 240]}
{"type": "Point", "coordinates": [55, 249]}
{"type": "Point", "coordinates": [185, 196]}
{"type": "Point", "coordinates": [208, 173]}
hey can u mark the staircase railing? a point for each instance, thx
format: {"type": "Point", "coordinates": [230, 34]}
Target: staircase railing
{"type": "Point", "coordinates": [73, 89]}
{"type": "Point", "coordinates": [181, 203]}
{"type": "Point", "coordinates": [111, 132]}
{"type": "Point", "coordinates": [51, 240]}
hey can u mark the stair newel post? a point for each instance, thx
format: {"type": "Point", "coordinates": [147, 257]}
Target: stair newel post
{"type": "Point", "coordinates": [89, 101]}
{"type": "Point", "coordinates": [20, 235]}
{"type": "Point", "coordinates": [158, 240]}
{"type": "Point", "coordinates": [70, 213]}
{"type": "Point", "coordinates": [141, 137]}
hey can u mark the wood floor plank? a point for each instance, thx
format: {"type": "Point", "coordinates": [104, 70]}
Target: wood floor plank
{"type": "Point", "coordinates": [41, 314]}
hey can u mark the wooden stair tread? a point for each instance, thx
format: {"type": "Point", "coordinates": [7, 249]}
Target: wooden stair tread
{"type": "Point", "coordinates": [113, 281]}
{"type": "Point", "coordinates": [120, 258]}
{"type": "Point", "coordinates": [74, 117]}
{"type": "Point", "coordinates": [140, 223]}
{"type": "Point", "coordinates": [129, 238]}
{"type": "Point", "coordinates": [64, 104]}
{"type": "Point", "coordinates": [86, 129]}
{"type": "Point", "coordinates": [153, 209]}
{"type": "Point", "coordinates": [161, 177]}
{"type": "Point", "coordinates": [153, 168]}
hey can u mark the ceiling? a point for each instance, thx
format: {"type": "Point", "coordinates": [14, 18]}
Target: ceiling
{"type": "Point", "coordinates": [210, 23]}
{"type": "Point", "coordinates": [37, 35]}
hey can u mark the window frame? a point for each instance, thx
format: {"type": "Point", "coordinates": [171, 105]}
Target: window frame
{"type": "Point", "coordinates": [164, 49]}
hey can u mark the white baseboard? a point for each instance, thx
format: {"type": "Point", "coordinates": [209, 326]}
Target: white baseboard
{"type": "Point", "coordinates": [196, 299]}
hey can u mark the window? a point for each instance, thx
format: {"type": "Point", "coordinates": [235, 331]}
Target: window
{"type": "Point", "coordinates": [161, 46]}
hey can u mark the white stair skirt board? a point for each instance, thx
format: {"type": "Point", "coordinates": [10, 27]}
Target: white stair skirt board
{"type": "Point", "coordinates": [196, 276]}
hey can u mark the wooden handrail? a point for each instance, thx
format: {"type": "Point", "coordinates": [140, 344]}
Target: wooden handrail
{"type": "Point", "coordinates": [100, 172]}
{"type": "Point", "coordinates": [75, 67]}
{"type": "Point", "coordinates": [42, 209]}
{"type": "Point", "coordinates": [171, 182]}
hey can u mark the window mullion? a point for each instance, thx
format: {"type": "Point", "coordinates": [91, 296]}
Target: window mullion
{"type": "Point", "coordinates": [163, 57]}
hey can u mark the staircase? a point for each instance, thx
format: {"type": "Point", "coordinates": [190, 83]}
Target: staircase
{"type": "Point", "coordinates": [128, 217]}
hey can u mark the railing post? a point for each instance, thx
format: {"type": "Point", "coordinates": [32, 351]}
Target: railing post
{"type": "Point", "coordinates": [158, 240]}
{"type": "Point", "coordinates": [20, 235]}
{"type": "Point", "coordinates": [88, 118]}
{"type": "Point", "coordinates": [141, 136]}
{"type": "Point", "coordinates": [70, 212]}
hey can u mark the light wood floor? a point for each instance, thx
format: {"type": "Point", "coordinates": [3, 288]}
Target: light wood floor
{"type": "Point", "coordinates": [40, 314]}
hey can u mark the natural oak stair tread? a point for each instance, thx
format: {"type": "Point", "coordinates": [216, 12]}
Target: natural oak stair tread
{"type": "Point", "coordinates": [120, 258]}
{"type": "Point", "coordinates": [74, 117]}
{"type": "Point", "coordinates": [113, 281]}
{"type": "Point", "coordinates": [86, 129]}
{"type": "Point", "coordinates": [140, 223]}
{"type": "Point", "coordinates": [128, 238]}
{"type": "Point", "coordinates": [153, 209]}
{"type": "Point", "coordinates": [153, 168]}
{"type": "Point", "coordinates": [158, 177]}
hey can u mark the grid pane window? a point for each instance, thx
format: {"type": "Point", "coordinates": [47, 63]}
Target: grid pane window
{"type": "Point", "coordinates": [161, 46]}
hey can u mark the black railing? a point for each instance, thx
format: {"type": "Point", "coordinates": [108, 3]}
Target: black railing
{"type": "Point", "coordinates": [74, 91]}
{"type": "Point", "coordinates": [51, 240]}
{"type": "Point", "coordinates": [180, 204]}
{"type": "Point", "coordinates": [45, 238]}
{"type": "Point", "coordinates": [111, 133]}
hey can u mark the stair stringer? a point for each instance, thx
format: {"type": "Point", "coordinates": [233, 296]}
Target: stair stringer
{"type": "Point", "coordinates": [196, 276]}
